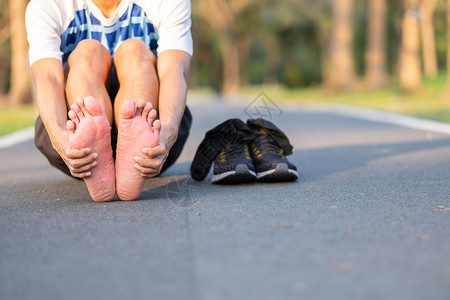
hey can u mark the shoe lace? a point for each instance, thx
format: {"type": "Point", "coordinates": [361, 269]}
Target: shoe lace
{"type": "Point", "coordinates": [265, 144]}
{"type": "Point", "coordinates": [235, 151]}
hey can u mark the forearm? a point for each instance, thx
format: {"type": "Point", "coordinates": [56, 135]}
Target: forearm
{"type": "Point", "coordinates": [172, 94]}
{"type": "Point", "coordinates": [172, 102]}
{"type": "Point", "coordinates": [50, 98]}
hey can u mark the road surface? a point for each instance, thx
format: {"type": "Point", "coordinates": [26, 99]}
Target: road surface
{"type": "Point", "coordinates": [367, 219]}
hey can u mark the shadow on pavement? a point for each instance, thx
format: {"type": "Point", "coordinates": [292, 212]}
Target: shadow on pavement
{"type": "Point", "coordinates": [318, 163]}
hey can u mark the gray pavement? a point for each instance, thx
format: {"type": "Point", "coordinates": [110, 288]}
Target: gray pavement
{"type": "Point", "coordinates": [361, 223]}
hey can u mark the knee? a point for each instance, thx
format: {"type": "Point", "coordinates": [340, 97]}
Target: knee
{"type": "Point", "coordinates": [134, 54]}
{"type": "Point", "coordinates": [89, 53]}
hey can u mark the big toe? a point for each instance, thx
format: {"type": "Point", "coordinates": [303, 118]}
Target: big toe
{"type": "Point", "coordinates": [93, 106]}
{"type": "Point", "coordinates": [127, 110]}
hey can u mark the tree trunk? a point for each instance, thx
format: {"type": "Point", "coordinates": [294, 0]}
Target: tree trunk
{"type": "Point", "coordinates": [410, 72]}
{"type": "Point", "coordinates": [427, 8]}
{"type": "Point", "coordinates": [272, 58]}
{"type": "Point", "coordinates": [341, 73]}
{"type": "Point", "coordinates": [244, 44]}
{"type": "Point", "coordinates": [20, 90]}
{"type": "Point", "coordinates": [448, 50]}
{"type": "Point", "coordinates": [230, 64]}
{"type": "Point", "coordinates": [398, 37]}
{"type": "Point", "coordinates": [376, 75]}
{"type": "Point", "coordinates": [221, 16]}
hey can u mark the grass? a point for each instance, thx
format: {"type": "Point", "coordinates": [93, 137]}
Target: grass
{"type": "Point", "coordinates": [431, 102]}
{"type": "Point", "coordinates": [15, 118]}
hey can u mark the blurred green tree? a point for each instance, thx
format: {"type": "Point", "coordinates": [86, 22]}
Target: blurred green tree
{"type": "Point", "coordinates": [221, 15]}
{"type": "Point", "coordinates": [447, 93]}
{"type": "Point", "coordinates": [341, 68]}
{"type": "Point", "coordinates": [376, 76]}
{"type": "Point", "coordinates": [20, 89]}
{"type": "Point", "coordinates": [294, 42]}
{"type": "Point", "coordinates": [4, 49]}
{"type": "Point", "coordinates": [427, 8]}
{"type": "Point", "coordinates": [294, 36]}
{"type": "Point", "coordinates": [410, 67]}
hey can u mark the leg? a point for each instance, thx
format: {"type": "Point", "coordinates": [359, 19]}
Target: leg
{"type": "Point", "coordinates": [89, 125]}
{"type": "Point", "coordinates": [137, 128]}
{"type": "Point", "coordinates": [135, 65]}
{"type": "Point", "coordinates": [88, 71]}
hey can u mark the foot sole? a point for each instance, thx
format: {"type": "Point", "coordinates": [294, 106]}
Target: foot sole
{"type": "Point", "coordinates": [241, 174]}
{"type": "Point", "coordinates": [279, 174]}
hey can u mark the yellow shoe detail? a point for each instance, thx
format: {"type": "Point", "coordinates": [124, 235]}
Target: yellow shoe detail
{"type": "Point", "coordinates": [222, 156]}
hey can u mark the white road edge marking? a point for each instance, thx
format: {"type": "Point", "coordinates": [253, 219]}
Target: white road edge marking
{"type": "Point", "coordinates": [334, 109]}
{"type": "Point", "coordinates": [378, 116]}
{"type": "Point", "coordinates": [17, 137]}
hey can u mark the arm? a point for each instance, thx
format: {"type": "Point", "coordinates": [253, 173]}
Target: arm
{"type": "Point", "coordinates": [49, 79]}
{"type": "Point", "coordinates": [173, 69]}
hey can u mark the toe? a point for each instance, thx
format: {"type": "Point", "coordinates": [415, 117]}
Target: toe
{"type": "Point", "coordinates": [76, 108]}
{"type": "Point", "coordinates": [93, 106]}
{"type": "Point", "coordinates": [157, 127]}
{"type": "Point", "coordinates": [127, 110]}
{"type": "Point", "coordinates": [70, 125]}
{"type": "Point", "coordinates": [140, 106]}
{"type": "Point", "coordinates": [80, 102]}
{"type": "Point", "coordinates": [152, 117]}
{"type": "Point", "coordinates": [147, 108]}
{"type": "Point", "coordinates": [73, 116]}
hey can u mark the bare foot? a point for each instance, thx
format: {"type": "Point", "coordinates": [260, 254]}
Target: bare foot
{"type": "Point", "coordinates": [135, 131]}
{"type": "Point", "coordinates": [89, 128]}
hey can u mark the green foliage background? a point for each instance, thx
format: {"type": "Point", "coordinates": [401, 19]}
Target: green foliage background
{"type": "Point", "coordinates": [300, 30]}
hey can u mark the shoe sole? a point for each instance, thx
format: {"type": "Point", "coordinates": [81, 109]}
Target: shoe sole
{"type": "Point", "coordinates": [280, 173]}
{"type": "Point", "coordinates": [240, 175]}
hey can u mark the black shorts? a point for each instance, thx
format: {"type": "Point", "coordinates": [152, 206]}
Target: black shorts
{"type": "Point", "coordinates": [43, 143]}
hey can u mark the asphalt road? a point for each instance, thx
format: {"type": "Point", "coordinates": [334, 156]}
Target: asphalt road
{"type": "Point", "coordinates": [366, 220]}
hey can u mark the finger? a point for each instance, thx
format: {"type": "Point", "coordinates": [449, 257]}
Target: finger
{"type": "Point", "coordinates": [150, 175]}
{"type": "Point", "coordinates": [81, 175]}
{"type": "Point", "coordinates": [147, 171]}
{"type": "Point", "coordinates": [75, 153]}
{"type": "Point", "coordinates": [75, 164]}
{"type": "Point", "coordinates": [80, 162]}
{"type": "Point", "coordinates": [154, 163]}
{"type": "Point", "coordinates": [85, 168]}
{"type": "Point", "coordinates": [155, 151]}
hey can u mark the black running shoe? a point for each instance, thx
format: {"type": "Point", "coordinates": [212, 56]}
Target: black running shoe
{"type": "Point", "coordinates": [232, 131]}
{"type": "Point", "coordinates": [270, 162]}
{"type": "Point", "coordinates": [234, 165]}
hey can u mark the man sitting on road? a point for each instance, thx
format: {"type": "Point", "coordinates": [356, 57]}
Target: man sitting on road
{"type": "Point", "coordinates": [118, 70]}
